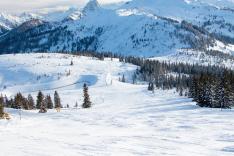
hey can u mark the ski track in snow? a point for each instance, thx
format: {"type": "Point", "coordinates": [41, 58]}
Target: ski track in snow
{"type": "Point", "coordinates": [125, 119]}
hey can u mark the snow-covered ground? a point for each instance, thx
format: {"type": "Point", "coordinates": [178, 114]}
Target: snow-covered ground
{"type": "Point", "coordinates": [125, 119]}
{"type": "Point", "coordinates": [189, 56]}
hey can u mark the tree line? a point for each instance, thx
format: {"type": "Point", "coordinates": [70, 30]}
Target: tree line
{"type": "Point", "coordinates": [209, 86]}
{"type": "Point", "coordinates": [42, 102]}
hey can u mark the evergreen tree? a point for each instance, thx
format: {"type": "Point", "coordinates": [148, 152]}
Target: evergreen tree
{"type": "Point", "coordinates": [49, 103]}
{"type": "Point", "coordinates": [1, 107]}
{"type": "Point", "coordinates": [151, 86]}
{"type": "Point", "coordinates": [123, 79]}
{"type": "Point", "coordinates": [181, 91]}
{"type": "Point", "coordinates": [1, 110]}
{"type": "Point", "coordinates": [1, 100]}
{"type": "Point", "coordinates": [25, 103]}
{"type": "Point", "coordinates": [43, 107]}
{"type": "Point", "coordinates": [40, 99]}
{"type": "Point", "coordinates": [6, 101]}
{"type": "Point", "coordinates": [76, 105]}
{"type": "Point", "coordinates": [11, 103]}
{"type": "Point", "coordinates": [31, 102]}
{"type": "Point", "coordinates": [134, 78]}
{"type": "Point", "coordinates": [57, 101]}
{"type": "Point", "coordinates": [18, 101]}
{"type": "Point", "coordinates": [225, 93]}
{"type": "Point", "coordinates": [71, 63]}
{"type": "Point", "coordinates": [87, 102]}
{"type": "Point", "coordinates": [217, 94]}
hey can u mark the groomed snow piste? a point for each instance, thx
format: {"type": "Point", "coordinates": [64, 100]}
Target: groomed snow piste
{"type": "Point", "coordinates": [125, 119]}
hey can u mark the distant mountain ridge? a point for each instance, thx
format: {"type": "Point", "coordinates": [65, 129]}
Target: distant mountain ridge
{"type": "Point", "coordinates": [145, 28]}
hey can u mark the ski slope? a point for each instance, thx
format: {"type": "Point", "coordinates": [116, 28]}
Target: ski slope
{"type": "Point", "coordinates": [125, 119]}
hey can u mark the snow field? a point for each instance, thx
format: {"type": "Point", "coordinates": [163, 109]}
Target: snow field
{"type": "Point", "coordinates": [125, 119]}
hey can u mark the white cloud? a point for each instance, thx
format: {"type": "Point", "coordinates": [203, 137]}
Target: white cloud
{"type": "Point", "coordinates": [29, 5]}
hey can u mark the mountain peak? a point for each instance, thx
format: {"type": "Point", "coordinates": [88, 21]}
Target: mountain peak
{"type": "Point", "coordinates": [91, 6]}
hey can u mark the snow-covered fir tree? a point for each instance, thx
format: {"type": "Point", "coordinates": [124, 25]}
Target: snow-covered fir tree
{"type": "Point", "coordinates": [49, 103]}
{"type": "Point", "coordinates": [57, 101]}
{"type": "Point", "coordinates": [40, 99]}
{"type": "Point", "coordinates": [86, 103]}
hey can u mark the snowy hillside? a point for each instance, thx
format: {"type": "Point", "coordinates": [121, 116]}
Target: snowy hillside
{"type": "Point", "coordinates": [34, 72]}
{"type": "Point", "coordinates": [198, 57]}
{"type": "Point", "coordinates": [125, 119]}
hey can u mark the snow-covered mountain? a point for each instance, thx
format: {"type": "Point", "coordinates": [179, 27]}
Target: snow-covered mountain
{"type": "Point", "coordinates": [139, 27]}
{"type": "Point", "coordinates": [8, 22]}
{"type": "Point", "coordinates": [57, 14]}
{"type": "Point", "coordinates": [217, 20]}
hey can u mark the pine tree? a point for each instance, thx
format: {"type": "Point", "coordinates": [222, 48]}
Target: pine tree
{"type": "Point", "coordinates": [217, 93]}
{"type": "Point", "coordinates": [31, 102]}
{"type": "Point", "coordinates": [43, 107]}
{"type": "Point", "coordinates": [18, 101]}
{"type": "Point", "coordinates": [49, 103]}
{"type": "Point", "coordinates": [87, 102]}
{"type": "Point", "coordinates": [208, 94]}
{"type": "Point", "coordinates": [6, 101]}
{"type": "Point", "coordinates": [151, 86]}
{"type": "Point", "coordinates": [181, 91]}
{"type": "Point", "coordinates": [1, 100]}
{"type": "Point", "coordinates": [1, 108]}
{"type": "Point", "coordinates": [40, 99]}
{"type": "Point", "coordinates": [222, 99]}
{"type": "Point", "coordinates": [123, 79]}
{"type": "Point", "coordinates": [134, 78]}
{"type": "Point", "coordinates": [11, 103]}
{"type": "Point", "coordinates": [57, 101]}
{"type": "Point", "coordinates": [25, 103]}
{"type": "Point", "coordinates": [226, 92]}
{"type": "Point", "coordinates": [76, 105]}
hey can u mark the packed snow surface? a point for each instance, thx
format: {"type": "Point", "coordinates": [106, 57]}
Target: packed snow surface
{"type": "Point", "coordinates": [125, 119]}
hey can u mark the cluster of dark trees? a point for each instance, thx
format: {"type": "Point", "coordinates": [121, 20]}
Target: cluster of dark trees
{"type": "Point", "coordinates": [43, 103]}
{"type": "Point", "coordinates": [216, 91]}
{"type": "Point", "coordinates": [209, 86]}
